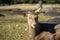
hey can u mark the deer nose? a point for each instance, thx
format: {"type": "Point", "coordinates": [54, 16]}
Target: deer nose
{"type": "Point", "coordinates": [33, 26]}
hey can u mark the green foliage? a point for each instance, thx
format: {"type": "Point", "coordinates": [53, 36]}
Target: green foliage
{"type": "Point", "coordinates": [58, 1]}
{"type": "Point", "coordinates": [50, 1]}
{"type": "Point", "coordinates": [28, 1]}
{"type": "Point", "coordinates": [20, 0]}
{"type": "Point", "coordinates": [0, 1]}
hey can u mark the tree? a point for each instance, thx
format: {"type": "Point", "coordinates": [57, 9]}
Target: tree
{"type": "Point", "coordinates": [21, 1]}
{"type": "Point", "coordinates": [50, 1]}
{"type": "Point", "coordinates": [0, 1]}
{"type": "Point", "coordinates": [13, 1]}
{"type": "Point", "coordinates": [58, 1]}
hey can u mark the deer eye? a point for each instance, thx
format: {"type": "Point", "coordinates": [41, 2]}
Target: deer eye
{"type": "Point", "coordinates": [36, 18]}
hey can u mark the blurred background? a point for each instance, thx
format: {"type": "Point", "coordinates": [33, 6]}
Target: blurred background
{"type": "Point", "coordinates": [13, 21]}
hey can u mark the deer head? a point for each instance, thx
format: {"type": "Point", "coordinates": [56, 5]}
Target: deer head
{"type": "Point", "coordinates": [33, 18]}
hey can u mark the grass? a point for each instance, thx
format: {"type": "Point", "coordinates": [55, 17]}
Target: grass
{"type": "Point", "coordinates": [13, 27]}
{"type": "Point", "coordinates": [43, 17]}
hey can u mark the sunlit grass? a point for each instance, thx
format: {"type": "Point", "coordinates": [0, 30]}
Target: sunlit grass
{"type": "Point", "coordinates": [43, 17]}
{"type": "Point", "coordinates": [13, 28]}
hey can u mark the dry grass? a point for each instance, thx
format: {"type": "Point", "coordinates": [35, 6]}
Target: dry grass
{"type": "Point", "coordinates": [13, 28]}
{"type": "Point", "coordinates": [30, 6]}
{"type": "Point", "coordinates": [43, 17]}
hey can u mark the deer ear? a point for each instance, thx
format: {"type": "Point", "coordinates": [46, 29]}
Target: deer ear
{"type": "Point", "coordinates": [38, 10]}
{"type": "Point", "coordinates": [24, 13]}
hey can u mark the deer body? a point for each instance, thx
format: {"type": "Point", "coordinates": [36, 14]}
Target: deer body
{"type": "Point", "coordinates": [45, 36]}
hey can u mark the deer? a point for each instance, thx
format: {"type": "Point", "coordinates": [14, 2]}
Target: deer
{"type": "Point", "coordinates": [36, 28]}
{"type": "Point", "coordinates": [32, 23]}
{"type": "Point", "coordinates": [57, 34]}
{"type": "Point", "coordinates": [45, 36]}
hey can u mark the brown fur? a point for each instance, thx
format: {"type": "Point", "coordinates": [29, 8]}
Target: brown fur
{"type": "Point", "coordinates": [45, 36]}
{"type": "Point", "coordinates": [57, 37]}
{"type": "Point", "coordinates": [57, 28]}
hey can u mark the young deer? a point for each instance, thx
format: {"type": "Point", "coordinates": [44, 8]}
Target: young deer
{"type": "Point", "coordinates": [33, 23]}
{"type": "Point", "coordinates": [35, 28]}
